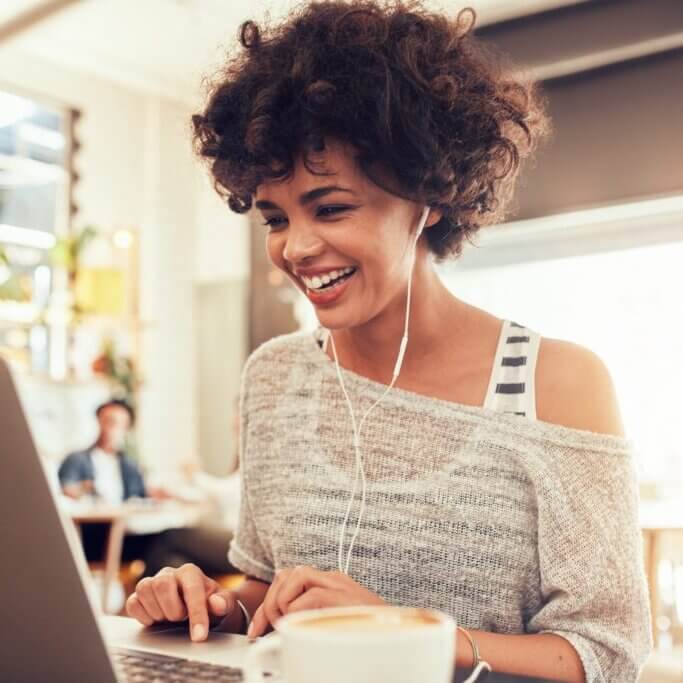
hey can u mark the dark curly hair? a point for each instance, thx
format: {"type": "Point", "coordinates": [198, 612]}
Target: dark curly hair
{"type": "Point", "coordinates": [414, 92]}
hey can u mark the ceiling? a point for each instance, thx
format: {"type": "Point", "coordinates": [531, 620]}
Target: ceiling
{"type": "Point", "coordinates": [165, 46]}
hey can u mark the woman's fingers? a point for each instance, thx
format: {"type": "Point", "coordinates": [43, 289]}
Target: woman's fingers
{"type": "Point", "coordinates": [168, 598]}
{"type": "Point", "coordinates": [288, 586]}
{"type": "Point", "coordinates": [178, 594]}
{"type": "Point", "coordinates": [316, 598]}
{"type": "Point", "coordinates": [303, 579]}
{"type": "Point", "coordinates": [147, 598]}
{"type": "Point", "coordinates": [194, 591]}
{"type": "Point", "coordinates": [135, 609]}
{"type": "Point", "coordinates": [268, 612]}
{"type": "Point", "coordinates": [259, 624]}
{"type": "Point", "coordinates": [222, 603]}
{"type": "Point", "coordinates": [303, 588]}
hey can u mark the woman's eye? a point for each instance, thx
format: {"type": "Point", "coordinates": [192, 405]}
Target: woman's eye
{"type": "Point", "coordinates": [275, 222]}
{"type": "Point", "coordinates": [331, 210]}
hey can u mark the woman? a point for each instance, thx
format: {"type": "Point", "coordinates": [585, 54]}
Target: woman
{"type": "Point", "coordinates": [495, 481]}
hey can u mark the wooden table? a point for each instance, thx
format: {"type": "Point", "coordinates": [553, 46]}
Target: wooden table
{"type": "Point", "coordinates": [656, 518]}
{"type": "Point", "coordinates": [144, 517]}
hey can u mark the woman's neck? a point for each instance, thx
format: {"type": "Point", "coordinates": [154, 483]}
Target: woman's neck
{"type": "Point", "coordinates": [372, 349]}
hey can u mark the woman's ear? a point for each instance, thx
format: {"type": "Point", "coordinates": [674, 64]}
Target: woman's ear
{"type": "Point", "coordinates": [435, 215]}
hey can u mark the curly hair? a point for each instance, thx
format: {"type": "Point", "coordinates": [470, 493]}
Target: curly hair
{"type": "Point", "coordinates": [413, 92]}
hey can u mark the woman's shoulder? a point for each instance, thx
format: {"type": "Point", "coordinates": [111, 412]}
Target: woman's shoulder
{"type": "Point", "coordinates": [574, 389]}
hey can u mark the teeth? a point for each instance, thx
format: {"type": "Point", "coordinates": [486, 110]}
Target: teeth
{"type": "Point", "coordinates": [317, 281]}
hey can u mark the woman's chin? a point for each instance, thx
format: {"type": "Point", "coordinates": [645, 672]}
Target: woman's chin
{"type": "Point", "coordinates": [332, 322]}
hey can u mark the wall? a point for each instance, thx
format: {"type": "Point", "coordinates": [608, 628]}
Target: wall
{"type": "Point", "coordinates": [611, 73]}
{"type": "Point", "coordinates": [221, 296]}
{"type": "Point", "coordinates": [136, 170]}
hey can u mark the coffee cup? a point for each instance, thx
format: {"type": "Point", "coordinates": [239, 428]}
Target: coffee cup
{"type": "Point", "coordinates": [374, 644]}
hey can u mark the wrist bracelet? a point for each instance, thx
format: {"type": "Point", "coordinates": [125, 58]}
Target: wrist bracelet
{"type": "Point", "coordinates": [479, 666]}
{"type": "Point", "coordinates": [475, 650]}
{"type": "Point", "coordinates": [245, 612]}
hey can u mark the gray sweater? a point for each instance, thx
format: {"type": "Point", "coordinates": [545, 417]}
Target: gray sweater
{"type": "Point", "coordinates": [508, 524]}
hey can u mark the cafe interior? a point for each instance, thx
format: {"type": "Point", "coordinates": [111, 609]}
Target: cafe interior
{"type": "Point", "coordinates": [130, 292]}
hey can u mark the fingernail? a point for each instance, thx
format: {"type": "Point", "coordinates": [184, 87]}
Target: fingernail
{"type": "Point", "coordinates": [198, 632]}
{"type": "Point", "coordinates": [251, 630]}
{"type": "Point", "coordinates": [220, 606]}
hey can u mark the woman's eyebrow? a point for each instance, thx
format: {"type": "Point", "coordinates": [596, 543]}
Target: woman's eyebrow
{"type": "Point", "coordinates": [306, 197]}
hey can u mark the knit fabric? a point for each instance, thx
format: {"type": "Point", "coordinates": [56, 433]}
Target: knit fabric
{"type": "Point", "coordinates": [508, 524]}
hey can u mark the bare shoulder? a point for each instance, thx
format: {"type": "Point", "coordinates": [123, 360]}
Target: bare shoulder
{"type": "Point", "coordinates": [574, 389]}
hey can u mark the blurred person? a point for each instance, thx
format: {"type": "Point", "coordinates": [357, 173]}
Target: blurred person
{"type": "Point", "coordinates": [104, 471]}
{"type": "Point", "coordinates": [414, 450]}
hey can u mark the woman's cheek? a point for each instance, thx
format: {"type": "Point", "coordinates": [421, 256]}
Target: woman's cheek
{"type": "Point", "coordinates": [274, 249]}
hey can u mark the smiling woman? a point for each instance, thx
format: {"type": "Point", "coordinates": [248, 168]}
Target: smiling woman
{"type": "Point", "coordinates": [374, 139]}
{"type": "Point", "coordinates": [345, 245]}
{"type": "Point", "coordinates": [431, 114]}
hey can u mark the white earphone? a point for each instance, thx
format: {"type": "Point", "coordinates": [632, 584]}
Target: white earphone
{"type": "Point", "coordinates": [344, 567]}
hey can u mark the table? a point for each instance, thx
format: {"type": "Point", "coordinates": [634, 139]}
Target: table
{"type": "Point", "coordinates": [143, 517]}
{"type": "Point", "coordinates": [220, 648]}
{"type": "Point", "coordinates": [656, 518]}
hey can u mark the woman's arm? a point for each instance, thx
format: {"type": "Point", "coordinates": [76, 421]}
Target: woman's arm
{"type": "Point", "coordinates": [543, 655]}
{"type": "Point", "coordinates": [589, 543]}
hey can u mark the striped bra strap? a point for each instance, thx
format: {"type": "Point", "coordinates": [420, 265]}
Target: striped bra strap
{"type": "Point", "coordinates": [511, 387]}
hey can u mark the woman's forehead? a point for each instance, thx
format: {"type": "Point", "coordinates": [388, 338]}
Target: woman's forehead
{"type": "Point", "coordinates": [336, 165]}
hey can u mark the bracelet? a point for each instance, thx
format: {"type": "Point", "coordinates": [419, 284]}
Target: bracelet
{"type": "Point", "coordinates": [479, 666]}
{"type": "Point", "coordinates": [245, 612]}
{"type": "Point", "coordinates": [475, 650]}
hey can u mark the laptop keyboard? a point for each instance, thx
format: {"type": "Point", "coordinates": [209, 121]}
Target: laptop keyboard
{"type": "Point", "coordinates": [134, 666]}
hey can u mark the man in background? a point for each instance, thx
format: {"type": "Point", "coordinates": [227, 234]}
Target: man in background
{"type": "Point", "coordinates": [103, 470]}
{"type": "Point", "coordinates": [106, 474]}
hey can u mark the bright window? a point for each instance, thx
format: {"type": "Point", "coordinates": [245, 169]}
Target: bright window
{"type": "Point", "coordinates": [624, 305]}
{"type": "Point", "coordinates": [34, 208]}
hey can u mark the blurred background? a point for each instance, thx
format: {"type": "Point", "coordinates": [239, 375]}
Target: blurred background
{"type": "Point", "coordinates": [123, 275]}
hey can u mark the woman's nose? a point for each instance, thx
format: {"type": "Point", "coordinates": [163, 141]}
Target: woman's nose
{"type": "Point", "coordinates": [301, 244]}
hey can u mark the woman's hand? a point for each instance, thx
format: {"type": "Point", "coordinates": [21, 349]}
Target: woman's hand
{"type": "Point", "coordinates": [180, 594]}
{"type": "Point", "coordinates": [304, 588]}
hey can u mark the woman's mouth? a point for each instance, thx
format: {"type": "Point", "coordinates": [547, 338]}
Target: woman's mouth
{"type": "Point", "coordinates": [325, 289]}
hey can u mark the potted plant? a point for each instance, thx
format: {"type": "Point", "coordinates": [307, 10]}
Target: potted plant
{"type": "Point", "coordinates": [120, 372]}
{"type": "Point", "coordinates": [68, 250]}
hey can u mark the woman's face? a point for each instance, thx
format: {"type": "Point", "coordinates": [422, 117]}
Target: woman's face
{"type": "Point", "coordinates": [343, 241]}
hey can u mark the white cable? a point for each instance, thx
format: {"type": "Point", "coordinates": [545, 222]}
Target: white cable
{"type": "Point", "coordinates": [344, 567]}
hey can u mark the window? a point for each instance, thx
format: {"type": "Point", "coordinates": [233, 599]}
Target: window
{"type": "Point", "coordinates": [35, 147]}
{"type": "Point", "coordinates": [625, 306]}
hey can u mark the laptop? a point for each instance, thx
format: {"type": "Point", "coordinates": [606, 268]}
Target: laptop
{"type": "Point", "coordinates": [49, 629]}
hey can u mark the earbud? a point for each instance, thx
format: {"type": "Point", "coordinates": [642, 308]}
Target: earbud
{"type": "Point", "coordinates": [344, 568]}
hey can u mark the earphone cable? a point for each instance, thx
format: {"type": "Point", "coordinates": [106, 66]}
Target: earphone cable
{"type": "Point", "coordinates": [344, 567]}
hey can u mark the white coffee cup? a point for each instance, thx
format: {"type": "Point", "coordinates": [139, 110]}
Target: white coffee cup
{"type": "Point", "coordinates": [359, 644]}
